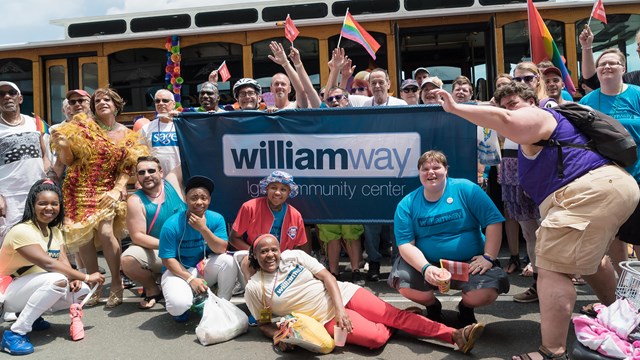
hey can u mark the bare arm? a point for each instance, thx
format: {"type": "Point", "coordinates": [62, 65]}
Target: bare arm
{"type": "Point", "coordinates": [312, 96]}
{"type": "Point", "coordinates": [330, 283]}
{"type": "Point", "coordinates": [524, 126]}
{"type": "Point", "coordinates": [216, 244]}
{"type": "Point", "coordinates": [174, 177]}
{"type": "Point", "coordinates": [414, 257]}
{"type": "Point", "coordinates": [347, 71]}
{"type": "Point", "coordinates": [279, 57]}
{"type": "Point", "coordinates": [587, 65]}
{"type": "Point", "coordinates": [335, 64]}
{"type": "Point", "coordinates": [137, 224]}
{"type": "Point", "coordinates": [35, 255]}
{"type": "Point", "coordinates": [45, 159]}
{"type": "Point", "coordinates": [197, 285]}
{"type": "Point", "coordinates": [236, 240]}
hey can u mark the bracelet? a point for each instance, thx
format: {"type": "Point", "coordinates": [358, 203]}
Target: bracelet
{"type": "Point", "coordinates": [424, 268]}
{"type": "Point", "coordinates": [190, 279]}
{"type": "Point", "coordinates": [86, 277]}
{"type": "Point", "coordinates": [489, 259]}
{"type": "Point", "coordinates": [587, 48]}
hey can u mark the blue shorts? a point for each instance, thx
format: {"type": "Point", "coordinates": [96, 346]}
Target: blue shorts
{"type": "Point", "coordinates": [403, 276]}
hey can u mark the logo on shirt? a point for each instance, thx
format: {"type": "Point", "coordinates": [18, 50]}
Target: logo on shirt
{"type": "Point", "coordinates": [293, 274]}
{"type": "Point", "coordinates": [441, 219]}
{"type": "Point", "coordinates": [292, 232]}
{"type": "Point", "coordinates": [163, 138]}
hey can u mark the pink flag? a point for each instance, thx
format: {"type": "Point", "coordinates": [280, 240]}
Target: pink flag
{"type": "Point", "coordinates": [459, 270]}
{"type": "Point", "coordinates": [598, 11]}
{"type": "Point", "coordinates": [223, 71]}
{"type": "Point", "coordinates": [290, 30]}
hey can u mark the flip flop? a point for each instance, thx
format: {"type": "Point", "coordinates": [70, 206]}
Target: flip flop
{"type": "Point", "coordinates": [546, 355]}
{"type": "Point", "coordinates": [527, 271]}
{"type": "Point", "coordinates": [578, 281]}
{"type": "Point", "coordinates": [470, 336]}
{"type": "Point", "coordinates": [151, 301]}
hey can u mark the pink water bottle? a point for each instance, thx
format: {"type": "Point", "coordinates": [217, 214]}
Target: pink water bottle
{"type": "Point", "coordinates": [77, 327]}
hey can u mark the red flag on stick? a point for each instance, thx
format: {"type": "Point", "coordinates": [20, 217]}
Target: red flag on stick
{"type": "Point", "coordinates": [290, 30]}
{"type": "Point", "coordinates": [223, 71]}
{"type": "Point", "coordinates": [598, 11]}
{"type": "Point", "coordinates": [459, 270]}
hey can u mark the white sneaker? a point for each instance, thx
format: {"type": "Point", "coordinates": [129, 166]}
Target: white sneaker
{"type": "Point", "coordinates": [10, 316]}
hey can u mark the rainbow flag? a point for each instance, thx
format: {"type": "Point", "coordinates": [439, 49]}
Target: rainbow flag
{"type": "Point", "coordinates": [543, 47]}
{"type": "Point", "coordinates": [353, 31]}
{"type": "Point", "coordinates": [41, 125]}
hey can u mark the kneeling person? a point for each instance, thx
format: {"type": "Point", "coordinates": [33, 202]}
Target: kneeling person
{"type": "Point", "coordinates": [147, 211]}
{"type": "Point", "coordinates": [193, 245]}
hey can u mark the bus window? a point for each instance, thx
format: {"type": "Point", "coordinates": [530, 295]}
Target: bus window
{"type": "Point", "coordinates": [197, 63]}
{"type": "Point", "coordinates": [56, 88]}
{"type": "Point", "coordinates": [20, 72]}
{"type": "Point", "coordinates": [516, 41]}
{"type": "Point", "coordinates": [88, 74]}
{"type": "Point", "coordinates": [136, 74]}
{"type": "Point", "coordinates": [264, 69]}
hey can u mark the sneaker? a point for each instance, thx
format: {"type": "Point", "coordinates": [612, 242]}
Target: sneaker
{"type": "Point", "coordinates": [238, 289]}
{"type": "Point", "coordinates": [374, 271]}
{"type": "Point", "coordinates": [182, 318]}
{"type": "Point", "coordinates": [10, 316]}
{"type": "Point", "coordinates": [357, 278]}
{"type": "Point", "coordinates": [126, 282]}
{"type": "Point", "coordinates": [16, 344]}
{"type": "Point", "coordinates": [252, 321]}
{"type": "Point", "coordinates": [40, 324]}
{"type": "Point", "coordinates": [530, 295]}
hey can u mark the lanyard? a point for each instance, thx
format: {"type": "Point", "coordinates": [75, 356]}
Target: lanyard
{"type": "Point", "coordinates": [264, 291]}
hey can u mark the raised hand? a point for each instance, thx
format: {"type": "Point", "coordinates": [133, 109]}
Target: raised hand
{"type": "Point", "coordinates": [279, 57]}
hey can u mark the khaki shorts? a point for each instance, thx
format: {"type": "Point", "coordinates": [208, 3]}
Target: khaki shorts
{"type": "Point", "coordinates": [580, 220]}
{"type": "Point", "coordinates": [331, 232]}
{"type": "Point", "coordinates": [148, 258]}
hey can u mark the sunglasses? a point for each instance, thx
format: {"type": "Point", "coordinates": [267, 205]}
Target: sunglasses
{"type": "Point", "coordinates": [208, 93]}
{"type": "Point", "coordinates": [410, 89]}
{"type": "Point", "coordinates": [362, 88]}
{"type": "Point", "coordinates": [528, 78]}
{"type": "Point", "coordinates": [76, 101]}
{"type": "Point", "coordinates": [12, 92]}
{"type": "Point", "coordinates": [164, 101]}
{"type": "Point", "coordinates": [336, 98]}
{"type": "Point", "coordinates": [147, 171]}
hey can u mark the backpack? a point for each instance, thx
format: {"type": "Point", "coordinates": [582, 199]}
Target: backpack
{"type": "Point", "coordinates": [606, 136]}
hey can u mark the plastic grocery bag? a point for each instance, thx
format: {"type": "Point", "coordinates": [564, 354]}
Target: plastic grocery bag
{"type": "Point", "coordinates": [304, 331]}
{"type": "Point", "coordinates": [221, 321]}
{"type": "Point", "coordinates": [488, 147]}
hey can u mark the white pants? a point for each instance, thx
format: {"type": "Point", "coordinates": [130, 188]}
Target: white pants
{"type": "Point", "coordinates": [178, 296]}
{"type": "Point", "coordinates": [33, 295]}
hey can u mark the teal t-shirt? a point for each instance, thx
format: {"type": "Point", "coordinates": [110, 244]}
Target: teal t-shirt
{"type": "Point", "coordinates": [278, 220]}
{"type": "Point", "coordinates": [450, 228]}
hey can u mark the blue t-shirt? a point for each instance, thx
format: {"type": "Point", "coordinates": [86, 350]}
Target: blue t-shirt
{"type": "Point", "coordinates": [624, 107]}
{"type": "Point", "coordinates": [450, 228]}
{"type": "Point", "coordinates": [178, 240]}
{"type": "Point", "coordinates": [278, 219]}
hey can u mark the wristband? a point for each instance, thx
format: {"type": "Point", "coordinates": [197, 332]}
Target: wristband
{"type": "Point", "coordinates": [489, 259]}
{"type": "Point", "coordinates": [424, 268]}
{"type": "Point", "coordinates": [86, 278]}
{"type": "Point", "coordinates": [587, 48]}
{"type": "Point", "coordinates": [190, 279]}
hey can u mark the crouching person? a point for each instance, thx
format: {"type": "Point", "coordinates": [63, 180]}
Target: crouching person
{"type": "Point", "coordinates": [43, 280]}
{"type": "Point", "coordinates": [193, 245]}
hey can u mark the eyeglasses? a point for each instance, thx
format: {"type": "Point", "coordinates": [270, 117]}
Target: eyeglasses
{"type": "Point", "coordinates": [609, 63]}
{"type": "Point", "coordinates": [147, 171]}
{"type": "Point", "coordinates": [247, 93]}
{"type": "Point", "coordinates": [410, 89]}
{"type": "Point", "coordinates": [77, 101]}
{"type": "Point", "coordinates": [362, 88]}
{"type": "Point", "coordinates": [164, 101]}
{"type": "Point", "coordinates": [208, 93]}
{"type": "Point", "coordinates": [336, 98]}
{"type": "Point", "coordinates": [12, 92]}
{"type": "Point", "coordinates": [527, 79]}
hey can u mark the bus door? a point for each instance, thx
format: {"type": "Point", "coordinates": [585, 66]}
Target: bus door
{"type": "Point", "coordinates": [449, 51]}
{"type": "Point", "coordinates": [62, 75]}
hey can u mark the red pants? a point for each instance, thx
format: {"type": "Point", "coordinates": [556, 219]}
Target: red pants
{"type": "Point", "coordinates": [372, 320]}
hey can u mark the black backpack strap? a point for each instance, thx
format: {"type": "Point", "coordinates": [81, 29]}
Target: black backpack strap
{"type": "Point", "coordinates": [558, 145]}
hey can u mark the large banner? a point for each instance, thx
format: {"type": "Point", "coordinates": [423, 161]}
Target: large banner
{"type": "Point", "coordinates": [353, 165]}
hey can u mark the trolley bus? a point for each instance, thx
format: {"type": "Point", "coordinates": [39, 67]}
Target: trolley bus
{"type": "Point", "coordinates": [475, 38]}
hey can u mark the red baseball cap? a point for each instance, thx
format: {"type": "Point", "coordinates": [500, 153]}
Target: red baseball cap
{"type": "Point", "coordinates": [79, 92]}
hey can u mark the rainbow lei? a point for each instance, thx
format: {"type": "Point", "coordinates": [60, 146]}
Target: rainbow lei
{"type": "Point", "coordinates": [172, 71]}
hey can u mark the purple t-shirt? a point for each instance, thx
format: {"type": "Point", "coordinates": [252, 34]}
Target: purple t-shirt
{"type": "Point", "coordinates": [539, 177]}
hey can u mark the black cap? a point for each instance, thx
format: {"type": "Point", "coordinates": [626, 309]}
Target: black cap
{"type": "Point", "coordinates": [199, 181]}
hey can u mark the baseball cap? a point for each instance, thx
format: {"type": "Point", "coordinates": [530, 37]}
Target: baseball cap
{"type": "Point", "coordinates": [9, 83]}
{"type": "Point", "coordinates": [552, 70]}
{"type": "Point", "coordinates": [420, 69]}
{"type": "Point", "coordinates": [199, 181]}
{"type": "Point", "coordinates": [79, 92]}
{"type": "Point", "coordinates": [433, 80]}
{"type": "Point", "coordinates": [407, 83]}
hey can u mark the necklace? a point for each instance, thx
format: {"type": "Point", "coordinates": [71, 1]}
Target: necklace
{"type": "Point", "coordinates": [10, 123]}
{"type": "Point", "coordinates": [266, 312]}
{"type": "Point", "coordinates": [156, 196]}
{"type": "Point", "coordinates": [105, 127]}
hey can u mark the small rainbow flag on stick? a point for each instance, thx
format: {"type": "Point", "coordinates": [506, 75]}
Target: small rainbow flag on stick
{"type": "Point", "coordinates": [41, 125]}
{"type": "Point", "coordinates": [353, 31]}
{"type": "Point", "coordinates": [543, 47]}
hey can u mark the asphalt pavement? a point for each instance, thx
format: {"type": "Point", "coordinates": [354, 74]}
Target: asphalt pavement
{"type": "Point", "coordinates": [126, 332]}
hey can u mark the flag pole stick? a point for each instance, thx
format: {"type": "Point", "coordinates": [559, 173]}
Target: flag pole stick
{"type": "Point", "coordinates": [343, 21]}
